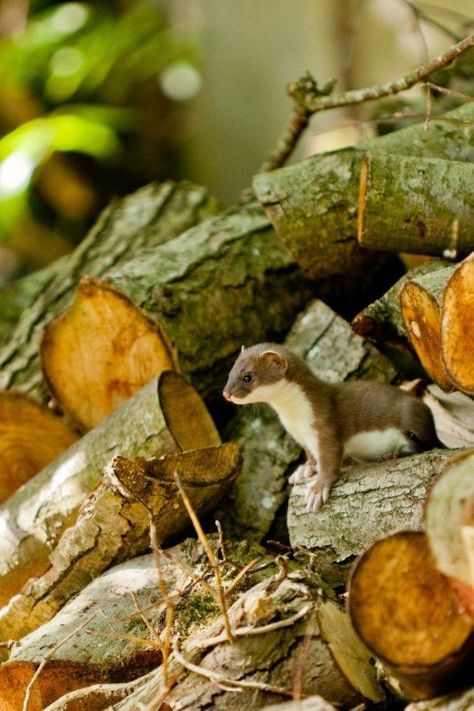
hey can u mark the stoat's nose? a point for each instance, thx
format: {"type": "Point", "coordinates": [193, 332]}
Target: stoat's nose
{"type": "Point", "coordinates": [227, 394]}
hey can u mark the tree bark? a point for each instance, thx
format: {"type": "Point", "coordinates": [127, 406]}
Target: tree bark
{"type": "Point", "coordinates": [417, 205]}
{"type": "Point", "coordinates": [457, 326]}
{"type": "Point", "coordinates": [421, 303]}
{"type": "Point", "coordinates": [449, 518]}
{"type": "Point", "coordinates": [31, 436]}
{"type": "Point", "coordinates": [153, 422]}
{"type": "Point", "coordinates": [367, 502]}
{"type": "Point", "coordinates": [313, 204]}
{"type": "Point", "coordinates": [461, 701]}
{"type": "Point", "coordinates": [113, 525]}
{"type": "Point", "coordinates": [328, 345]}
{"type": "Point", "coordinates": [404, 611]}
{"type": "Point", "coordinates": [149, 217]}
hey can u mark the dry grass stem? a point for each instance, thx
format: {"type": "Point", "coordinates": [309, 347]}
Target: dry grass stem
{"type": "Point", "coordinates": [210, 554]}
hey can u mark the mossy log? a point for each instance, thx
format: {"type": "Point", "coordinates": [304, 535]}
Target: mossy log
{"type": "Point", "coordinates": [416, 204]}
{"type": "Point", "coordinates": [382, 319]}
{"type": "Point", "coordinates": [328, 345]}
{"type": "Point", "coordinates": [113, 525]}
{"type": "Point", "coordinates": [405, 612]}
{"type": "Point", "coordinates": [367, 502]}
{"type": "Point", "coordinates": [313, 204]}
{"type": "Point", "coordinates": [421, 303]}
{"type": "Point", "coordinates": [31, 436]}
{"type": "Point", "coordinates": [117, 612]}
{"type": "Point", "coordinates": [457, 326]}
{"type": "Point", "coordinates": [225, 282]}
{"type": "Point", "coordinates": [165, 417]}
{"type": "Point", "coordinates": [147, 218]}
{"type": "Point", "coordinates": [449, 519]}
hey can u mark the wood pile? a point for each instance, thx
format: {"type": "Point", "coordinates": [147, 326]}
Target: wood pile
{"type": "Point", "coordinates": [115, 442]}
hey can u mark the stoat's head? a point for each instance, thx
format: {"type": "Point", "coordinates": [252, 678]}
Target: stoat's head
{"type": "Point", "coordinates": [255, 374]}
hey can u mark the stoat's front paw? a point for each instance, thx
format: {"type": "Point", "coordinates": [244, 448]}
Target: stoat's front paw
{"type": "Point", "coordinates": [317, 493]}
{"type": "Point", "coordinates": [303, 472]}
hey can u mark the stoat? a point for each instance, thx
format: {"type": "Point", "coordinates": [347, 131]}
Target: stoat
{"type": "Point", "coordinates": [360, 420]}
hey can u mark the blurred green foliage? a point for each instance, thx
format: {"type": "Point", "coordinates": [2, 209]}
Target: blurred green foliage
{"type": "Point", "coordinates": [103, 84]}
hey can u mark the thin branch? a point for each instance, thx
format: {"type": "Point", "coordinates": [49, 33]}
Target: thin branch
{"type": "Point", "coordinates": [221, 543]}
{"type": "Point", "coordinates": [309, 99]}
{"type": "Point", "coordinates": [252, 631]}
{"type": "Point", "coordinates": [48, 656]}
{"type": "Point", "coordinates": [241, 574]}
{"type": "Point", "coordinates": [210, 554]}
{"type": "Point", "coordinates": [230, 683]}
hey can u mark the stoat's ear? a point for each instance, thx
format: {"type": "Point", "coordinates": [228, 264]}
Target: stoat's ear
{"type": "Point", "coordinates": [276, 360]}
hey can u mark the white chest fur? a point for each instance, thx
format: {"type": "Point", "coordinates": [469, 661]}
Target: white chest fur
{"type": "Point", "coordinates": [295, 412]}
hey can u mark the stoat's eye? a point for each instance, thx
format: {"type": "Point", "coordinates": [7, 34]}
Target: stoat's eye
{"type": "Point", "coordinates": [247, 378]}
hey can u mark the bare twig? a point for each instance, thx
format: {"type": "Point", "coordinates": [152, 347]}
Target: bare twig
{"type": "Point", "coordinates": [300, 667]}
{"type": "Point", "coordinates": [153, 634]}
{"type": "Point", "coordinates": [449, 92]}
{"type": "Point", "coordinates": [229, 683]}
{"type": "Point", "coordinates": [48, 656]}
{"type": "Point", "coordinates": [309, 99]}
{"type": "Point", "coordinates": [210, 554]}
{"type": "Point", "coordinates": [240, 575]}
{"type": "Point", "coordinates": [254, 631]}
{"type": "Point", "coordinates": [221, 541]}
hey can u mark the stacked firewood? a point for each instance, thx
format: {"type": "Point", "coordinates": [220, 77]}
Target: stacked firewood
{"type": "Point", "coordinates": [115, 439]}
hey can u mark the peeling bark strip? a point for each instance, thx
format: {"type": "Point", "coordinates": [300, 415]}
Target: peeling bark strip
{"type": "Point", "coordinates": [449, 518]}
{"type": "Point", "coordinates": [99, 352]}
{"type": "Point", "coordinates": [163, 418]}
{"type": "Point", "coordinates": [382, 320]}
{"type": "Point", "coordinates": [457, 326]}
{"type": "Point", "coordinates": [30, 437]}
{"type": "Point", "coordinates": [149, 217]}
{"type": "Point", "coordinates": [421, 301]}
{"type": "Point", "coordinates": [404, 611]}
{"type": "Point", "coordinates": [367, 502]}
{"type": "Point", "coordinates": [416, 205]}
{"type": "Point", "coordinates": [113, 525]}
{"type": "Point", "coordinates": [313, 204]}
{"type": "Point", "coordinates": [328, 345]}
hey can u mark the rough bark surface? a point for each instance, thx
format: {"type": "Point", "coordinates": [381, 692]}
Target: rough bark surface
{"type": "Point", "coordinates": [113, 525]}
{"type": "Point", "coordinates": [34, 518]}
{"type": "Point", "coordinates": [334, 353]}
{"type": "Point", "coordinates": [150, 217]}
{"type": "Point", "coordinates": [367, 502]}
{"type": "Point", "coordinates": [313, 204]}
{"type": "Point", "coordinates": [461, 701]}
{"type": "Point", "coordinates": [417, 205]}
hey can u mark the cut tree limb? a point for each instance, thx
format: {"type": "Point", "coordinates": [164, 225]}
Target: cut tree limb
{"type": "Point", "coordinates": [163, 418]}
{"type": "Point", "coordinates": [405, 612]}
{"type": "Point", "coordinates": [367, 502]}
{"type": "Point", "coordinates": [113, 525]}
{"type": "Point", "coordinates": [313, 204]}
{"type": "Point", "coordinates": [328, 345]}
{"type": "Point", "coordinates": [31, 436]}
{"type": "Point", "coordinates": [149, 217]}
{"type": "Point", "coordinates": [421, 303]}
{"type": "Point", "coordinates": [416, 205]}
{"type": "Point", "coordinates": [457, 326]}
{"type": "Point", "coordinates": [449, 518]}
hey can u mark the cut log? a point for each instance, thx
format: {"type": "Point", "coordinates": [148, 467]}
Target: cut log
{"type": "Point", "coordinates": [162, 418]}
{"type": "Point", "coordinates": [313, 204]}
{"type": "Point", "coordinates": [149, 217]}
{"type": "Point", "coordinates": [398, 211]}
{"type": "Point", "coordinates": [100, 352]}
{"type": "Point", "coordinates": [382, 320]}
{"type": "Point", "coordinates": [457, 326]}
{"type": "Point", "coordinates": [31, 436]}
{"type": "Point", "coordinates": [113, 525]}
{"type": "Point", "coordinates": [367, 502]}
{"type": "Point", "coordinates": [334, 353]}
{"type": "Point", "coordinates": [404, 611]}
{"type": "Point", "coordinates": [449, 520]}
{"type": "Point", "coordinates": [421, 306]}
